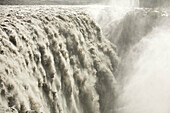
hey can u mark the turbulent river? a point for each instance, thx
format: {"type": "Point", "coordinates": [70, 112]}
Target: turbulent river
{"type": "Point", "coordinates": [84, 59]}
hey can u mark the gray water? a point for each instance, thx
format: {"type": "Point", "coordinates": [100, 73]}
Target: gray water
{"type": "Point", "coordinates": [54, 59]}
{"type": "Point", "coordinates": [146, 85]}
{"type": "Point", "coordinates": [84, 59]}
{"type": "Point", "coordinates": [142, 38]}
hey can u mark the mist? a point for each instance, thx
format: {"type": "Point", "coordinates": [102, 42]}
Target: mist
{"type": "Point", "coordinates": [146, 85]}
{"type": "Point", "coordinates": [84, 56]}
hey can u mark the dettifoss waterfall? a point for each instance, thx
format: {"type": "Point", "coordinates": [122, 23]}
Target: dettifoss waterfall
{"type": "Point", "coordinates": [112, 58]}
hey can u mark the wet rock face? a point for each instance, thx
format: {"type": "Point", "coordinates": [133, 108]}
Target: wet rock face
{"type": "Point", "coordinates": [55, 60]}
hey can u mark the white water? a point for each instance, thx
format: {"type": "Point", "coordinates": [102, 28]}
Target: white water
{"type": "Point", "coordinates": [146, 84]}
{"type": "Point", "coordinates": [48, 68]}
{"type": "Point", "coordinates": [144, 75]}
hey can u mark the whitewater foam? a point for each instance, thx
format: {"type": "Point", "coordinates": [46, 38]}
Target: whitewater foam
{"type": "Point", "coordinates": [54, 60]}
{"type": "Point", "coordinates": [145, 86]}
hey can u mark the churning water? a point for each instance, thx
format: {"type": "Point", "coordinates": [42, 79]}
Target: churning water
{"type": "Point", "coordinates": [144, 73]}
{"type": "Point", "coordinates": [146, 84]}
{"type": "Point", "coordinates": [142, 37]}
{"type": "Point", "coordinates": [56, 59]}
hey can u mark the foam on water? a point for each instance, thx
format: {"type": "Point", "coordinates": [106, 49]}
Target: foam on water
{"type": "Point", "coordinates": [54, 60]}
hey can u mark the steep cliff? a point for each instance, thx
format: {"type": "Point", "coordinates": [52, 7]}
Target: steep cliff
{"type": "Point", "coordinates": [54, 60]}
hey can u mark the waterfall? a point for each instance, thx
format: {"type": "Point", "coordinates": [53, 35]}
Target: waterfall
{"type": "Point", "coordinates": [143, 76]}
{"type": "Point", "coordinates": [112, 58]}
{"type": "Point", "coordinates": [54, 60]}
{"type": "Point", "coordinates": [145, 82]}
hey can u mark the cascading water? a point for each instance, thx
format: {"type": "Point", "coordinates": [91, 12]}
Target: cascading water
{"type": "Point", "coordinates": [146, 85]}
{"type": "Point", "coordinates": [55, 59]}
{"type": "Point", "coordinates": [142, 38]}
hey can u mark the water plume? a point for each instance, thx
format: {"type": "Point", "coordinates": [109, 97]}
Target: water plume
{"type": "Point", "coordinates": [145, 86]}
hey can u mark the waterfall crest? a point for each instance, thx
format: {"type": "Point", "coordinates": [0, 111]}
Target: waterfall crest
{"type": "Point", "coordinates": [54, 60]}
